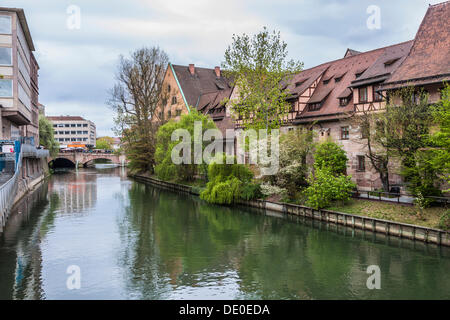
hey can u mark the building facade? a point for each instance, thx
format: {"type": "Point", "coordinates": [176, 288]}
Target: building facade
{"type": "Point", "coordinates": [19, 89]}
{"type": "Point", "coordinates": [326, 98]}
{"type": "Point", "coordinates": [74, 131]}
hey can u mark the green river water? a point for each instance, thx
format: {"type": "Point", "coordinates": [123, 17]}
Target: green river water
{"type": "Point", "coordinates": [133, 241]}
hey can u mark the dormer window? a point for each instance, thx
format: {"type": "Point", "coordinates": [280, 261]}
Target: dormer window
{"type": "Point", "coordinates": [299, 83]}
{"type": "Point", "coordinates": [343, 102]}
{"type": "Point", "coordinates": [314, 106]}
{"type": "Point", "coordinates": [390, 62]}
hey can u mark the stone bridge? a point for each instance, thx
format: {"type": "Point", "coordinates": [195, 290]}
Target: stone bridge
{"type": "Point", "coordinates": [82, 159]}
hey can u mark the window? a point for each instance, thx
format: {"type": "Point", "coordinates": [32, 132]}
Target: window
{"type": "Point", "coordinates": [362, 94]}
{"type": "Point", "coordinates": [343, 102]}
{"type": "Point", "coordinates": [60, 125]}
{"type": "Point", "coordinates": [178, 113]}
{"type": "Point", "coordinates": [66, 132]}
{"type": "Point", "coordinates": [6, 56]}
{"type": "Point", "coordinates": [377, 96]}
{"type": "Point", "coordinates": [79, 132]}
{"type": "Point", "coordinates": [6, 88]}
{"type": "Point", "coordinates": [73, 125]}
{"type": "Point", "coordinates": [66, 139]}
{"type": "Point", "coordinates": [169, 88]}
{"type": "Point", "coordinates": [78, 124]}
{"type": "Point", "coordinates": [338, 79]}
{"type": "Point", "coordinates": [314, 106]}
{"type": "Point", "coordinates": [361, 163]}
{"type": "Point", "coordinates": [326, 81]}
{"type": "Point", "coordinates": [85, 132]}
{"type": "Point", "coordinates": [84, 125]}
{"type": "Point", "coordinates": [345, 133]}
{"type": "Point", "coordinates": [55, 126]}
{"type": "Point", "coordinates": [67, 125]}
{"type": "Point", "coordinates": [174, 100]}
{"type": "Point", "coordinates": [5, 24]}
{"type": "Point", "coordinates": [169, 114]}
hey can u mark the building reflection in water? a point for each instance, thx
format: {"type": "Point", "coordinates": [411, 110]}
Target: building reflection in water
{"type": "Point", "coordinates": [76, 190]}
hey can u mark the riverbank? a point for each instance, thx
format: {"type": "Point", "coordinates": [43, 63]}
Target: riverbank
{"type": "Point", "coordinates": [377, 225]}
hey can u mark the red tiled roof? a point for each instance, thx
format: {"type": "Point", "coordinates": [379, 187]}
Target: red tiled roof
{"type": "Point", "coordinates": [429, 58]}
{"type": "Point", "coordinates": [202, 82]}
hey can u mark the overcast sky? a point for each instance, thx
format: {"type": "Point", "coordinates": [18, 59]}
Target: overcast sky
{"type": "Point", "coordinates": [77, 66]}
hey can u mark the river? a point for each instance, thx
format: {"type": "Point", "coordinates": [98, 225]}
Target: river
{"type": "Point", "coordinates": [128, 240]}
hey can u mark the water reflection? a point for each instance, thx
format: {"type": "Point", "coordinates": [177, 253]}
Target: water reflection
{"type": "Point", "coordinates": [133, 241]}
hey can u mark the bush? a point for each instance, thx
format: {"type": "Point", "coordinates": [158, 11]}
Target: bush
{"type": "Point", "coordinates": [325, 188]}
{"type": "Point", "coordinates": [251, 191]}
{"type": "Point", "coordinates": [228, 183]}
{"type": "Point", "coordinates": [269, 190]}
{"type": "Point", "coordinates": [222, 192]}
{"type": "Point", "coordinates": [331, 156]}
{"type": "Point", "coordinates": [444, 221]}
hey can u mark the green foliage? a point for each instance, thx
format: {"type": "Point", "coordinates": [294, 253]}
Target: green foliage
{"type": "Point", "coordinates": [229, 183]}
{"type": "Point", "coordinates": [251, 191]}
{"type": "Point", "coordinates": [325, 187]}
{"type": "Point", "coordinates": [259, 68]}
{"type": "Point", "coordinates": [331, 156]}
{"type": "Point", "coordinates": [444, 221]}
{"type": "Point", "coordinates": [440, 138]}
{"type": "Point", "coordinates": [165, 168]}
{"type": "Point", "coordinates": [222, 191]}
{"type": "Point", "coordinates": [104, 143]}
{"type": "Point", "coordinates": [46, 137]}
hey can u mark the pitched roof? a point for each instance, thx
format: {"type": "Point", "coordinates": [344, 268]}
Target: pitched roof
{"type": "Point", "coordinates": [345, 71]}
{"type": "Point", "coordinates": [203, 81]}
{"type": "Point", "coordinates": [429, 58]}
{"type": "Point", "coordinates": [387, 62]}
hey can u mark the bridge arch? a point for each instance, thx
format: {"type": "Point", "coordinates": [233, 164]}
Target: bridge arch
{"type": "Point", "coordinates": [61, 162]}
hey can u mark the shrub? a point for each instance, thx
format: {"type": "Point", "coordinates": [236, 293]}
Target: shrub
{"type": "Point", "coordinates": [269, 190]}
{"type": "Point", "coordinates": [444, 221]}
{"type": "Point", "coordinates": [228, 183]}
{"type": "Point", "coordinates": [222, 191]}
{"type": "Point", "coordinates": [331, 156]}
{"type": "Point", "coordinates": [251, 191]}
{"type": "Point", "coordinates": [325, 187]}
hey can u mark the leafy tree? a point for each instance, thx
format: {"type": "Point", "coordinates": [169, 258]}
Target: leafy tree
{"type": "Point", "coordinates": [440, 138]}
{"type": "Point", "coordinates": [136, 97]}
{"type": "Point", "coordinates": [165, 168]}
{"type": "Point", "coordinates": [331, 156]}
{"type": "Point", "coordinates": [403, 129]}
{"type": "Point", "coordinates": [260, 71]}
{"type": "Point", "coordinates": [105, 143]}
{"type": "Point", "coordinates": [326, 187]}
{"type": "Point", "coordinates": [46, 137]}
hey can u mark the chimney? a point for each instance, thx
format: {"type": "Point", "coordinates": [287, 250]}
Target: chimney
{"type": "Point", "coordinates": [217, 71]}
{"type": "Point", "coordinates": [192, 68]}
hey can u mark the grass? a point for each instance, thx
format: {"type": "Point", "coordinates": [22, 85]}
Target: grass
{"type": "Point", "coordinates": [395, 212]}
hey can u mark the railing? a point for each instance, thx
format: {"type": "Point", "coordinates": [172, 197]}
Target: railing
{"type": "Point", "coordinates": [8, 191]}
{"type": "Point", "coordinates": [396, 197]}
